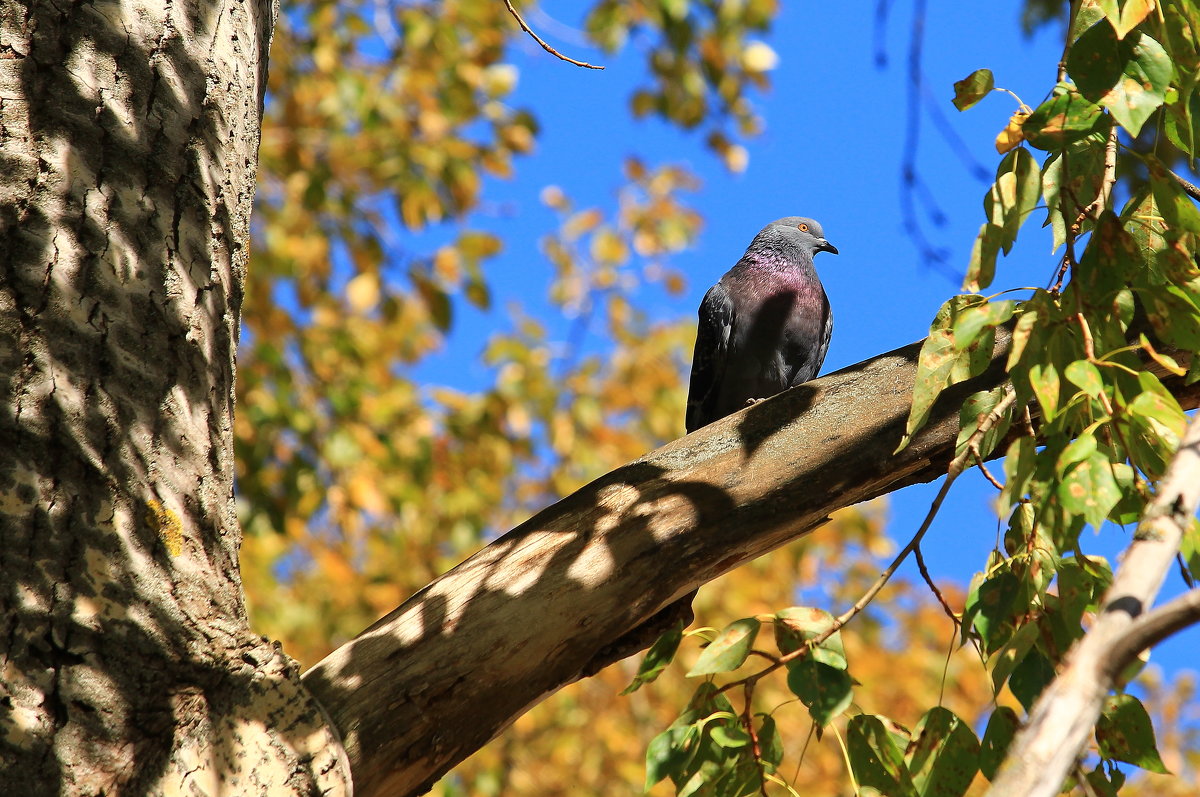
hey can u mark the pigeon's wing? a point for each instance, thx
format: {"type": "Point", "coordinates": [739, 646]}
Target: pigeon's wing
{"type": "Point", "coordinates": [708, 359]}
{"type": "Point", "coordinates": [826, 331]}
{"type": "Point", "coordinates": [811, 339]}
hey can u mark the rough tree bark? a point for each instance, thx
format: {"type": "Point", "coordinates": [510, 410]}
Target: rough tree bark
{"type": "Point", "coordinates": [128, 147]}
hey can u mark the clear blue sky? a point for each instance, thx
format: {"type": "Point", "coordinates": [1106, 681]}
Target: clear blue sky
{"type": "Point", "coordinates": [834, 140]}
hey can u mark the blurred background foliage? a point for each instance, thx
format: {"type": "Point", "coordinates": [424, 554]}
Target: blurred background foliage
{"type": "Point", "coordinates": [385, 123]}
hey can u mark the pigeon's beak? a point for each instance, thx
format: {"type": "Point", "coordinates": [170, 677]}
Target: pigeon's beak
{"type": "Point", "coordinates": [825, 246]}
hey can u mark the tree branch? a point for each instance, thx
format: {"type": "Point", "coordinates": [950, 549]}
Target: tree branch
{"type": "Point", "coordinates": [538, 608]}
{"type": "Point", "coordinates": [1155, 626]}
{"type": "Point", "coordinates": [525, 27]}
{"type": "Point", "coordinates": [1043, 753]}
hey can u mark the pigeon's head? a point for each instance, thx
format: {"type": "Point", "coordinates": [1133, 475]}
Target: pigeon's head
{"type": "Point", "coordinates": [805, 232]}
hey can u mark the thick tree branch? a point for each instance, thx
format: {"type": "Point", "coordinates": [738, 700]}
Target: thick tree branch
{"type": "Point", "coordinates": [1155, 626]}
{"type": "Point", "coordinates": [540, 607]}
{"type": "Point", "coordinates": [1062, 719]}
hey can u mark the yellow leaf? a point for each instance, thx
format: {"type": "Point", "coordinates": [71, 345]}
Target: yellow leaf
{"type": "Point", "coordinates": [608, 247]}
{"type": "Point", "coordinates": [553, 197]}
{"type": "Point", "coordinates": [446, 264]}
{"type": "Point", "coordinates": [759, 57]}
{"type": "Point", "coordinates": [1012, 135]}
{"type": "Point", "coordinates": [737, 158]}
{"type": "Point", "coordinates": [362, 292]}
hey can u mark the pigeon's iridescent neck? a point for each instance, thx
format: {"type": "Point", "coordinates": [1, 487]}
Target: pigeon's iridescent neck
{"type": "Point", "coordinates": [783, 260]}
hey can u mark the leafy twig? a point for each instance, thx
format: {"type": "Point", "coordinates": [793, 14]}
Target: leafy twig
{"type": "Point", "coordinates": [955, 469]}
{"type": "Point", "coordinates": [1061, 720]}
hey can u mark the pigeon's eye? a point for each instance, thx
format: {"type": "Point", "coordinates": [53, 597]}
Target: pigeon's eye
{"type": "Point", "coordinates": [802, 227]}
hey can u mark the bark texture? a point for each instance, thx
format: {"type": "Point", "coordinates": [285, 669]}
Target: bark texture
{"type": "Point", "coordinates": [128, 147]}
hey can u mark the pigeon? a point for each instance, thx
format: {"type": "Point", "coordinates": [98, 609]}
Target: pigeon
{"type": "Point", "coordinates": [765, 326]}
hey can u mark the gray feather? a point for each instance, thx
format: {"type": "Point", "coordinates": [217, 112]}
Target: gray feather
{"type": "Point", "coordinates": [765, 326]}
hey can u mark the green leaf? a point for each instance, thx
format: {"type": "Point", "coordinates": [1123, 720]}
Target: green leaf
{"type": "Point", "coordinates": [1067, 190]}
{"type": "Point", "coordinates": [729, 650]}
{"type": "Point", "coordinates": [1109, 260]}
{"type": "Point", "coordinates": [1086, 377]}
{"type": "Point", "coordinates": [1089, 488]}
{"type": "Point", "coordinates": [669, 752]}
{"type": "Point", "coordinates": [687, 753]}
{"type": "Point", "coordinates": [973, 88]}
{"type": "Point", "coordinates": [1030, 677]}
{"type": "Point", "coordinates": [981, 269]}
{"type": "Point", "coordinates": [933, 369]}
{"type": "Point", "coordinates": [770, 744]}
{"type": "Point", "coordinates": [660, 655]}
{"type": "Point", "coordinates": [796, 626]}
{"type": "Point", "coordinates": [1190, 549]}
{"type": "Point", "coordinates": [827, 691]}
{"type": "Point", "coordinates": [1019, 463]}
{"type": "Point", "coordinates": [943, 756]}
{"type": "Point", "coordinates": [976, 318]}
{"type": "Point", "coordinates": [1124, 733]}
{"type": "Point", "coordinates": [1106, 781]}
{"type": "Point", "coordinates": [1043, 377]}
{"type": "Point", "coordinates": [730, 736]}
{"type": "Point", "coordinates": [1015, 193]}
{"type": "Point", "coordinates": [975, 409]}
{"type": "Point", "coordinates": [1064, 118]}
{"type": "Point", "coordinates": [1183, 123]}
{"type": "Point", "coordinates": [1077, 450]}
{"type": "Point", "coordinates": [1128, 76]}
{"type": "Point", "coordinates": [1005, 660]}
{"type": "Point", "coordinates": [1001, 728]}
{"type": "Point", "coordinates": [1022, 333]}
{"type": "Point", "coordinates": [990, 608]}
{"type": "Point", "coordinates": [876, 759]}
{"type": "Point", "coordinates": [1157, 403]}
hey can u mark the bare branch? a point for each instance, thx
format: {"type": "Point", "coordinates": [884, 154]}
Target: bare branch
{"type": "Point", "coordinates": [1043, 753]}
{"type": "Point", "coordinates": [1155, 626]}
{"type": "Point", "coordinates": [1190, 188]}
{"type": "Point", "coordinates": [525, 27]}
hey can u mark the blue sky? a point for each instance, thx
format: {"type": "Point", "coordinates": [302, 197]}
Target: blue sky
{"type": "Point", "coordinates": [836, 133]}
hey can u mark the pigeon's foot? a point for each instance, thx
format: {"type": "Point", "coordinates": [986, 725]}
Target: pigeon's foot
{"type": "Point", "coordinates": [752, 402]}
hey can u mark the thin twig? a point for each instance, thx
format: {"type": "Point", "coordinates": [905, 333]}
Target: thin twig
{"type": "Point", "coordinates": [987, 474]}
{"type": "Point", "coordinates": [937, 593]}
{"type": "Point", "coordinates": [1184, 573]}
{"type": "Point", "coordinates": [955, 469]}
{"type": "Point", "coordinates": [755, 747]}
{"type": "Point", "coordinates": [1062, 62]}
{"type": "Point", "coordinates": [1097, 205]}
{"type": "Point", "coordinates": [520, 21]}
{"type": "Point", "coordinates": [1189, 188]}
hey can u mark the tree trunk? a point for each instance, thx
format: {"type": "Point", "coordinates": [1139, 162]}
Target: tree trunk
{"type": "Point", "coordinates": [128, 138]}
